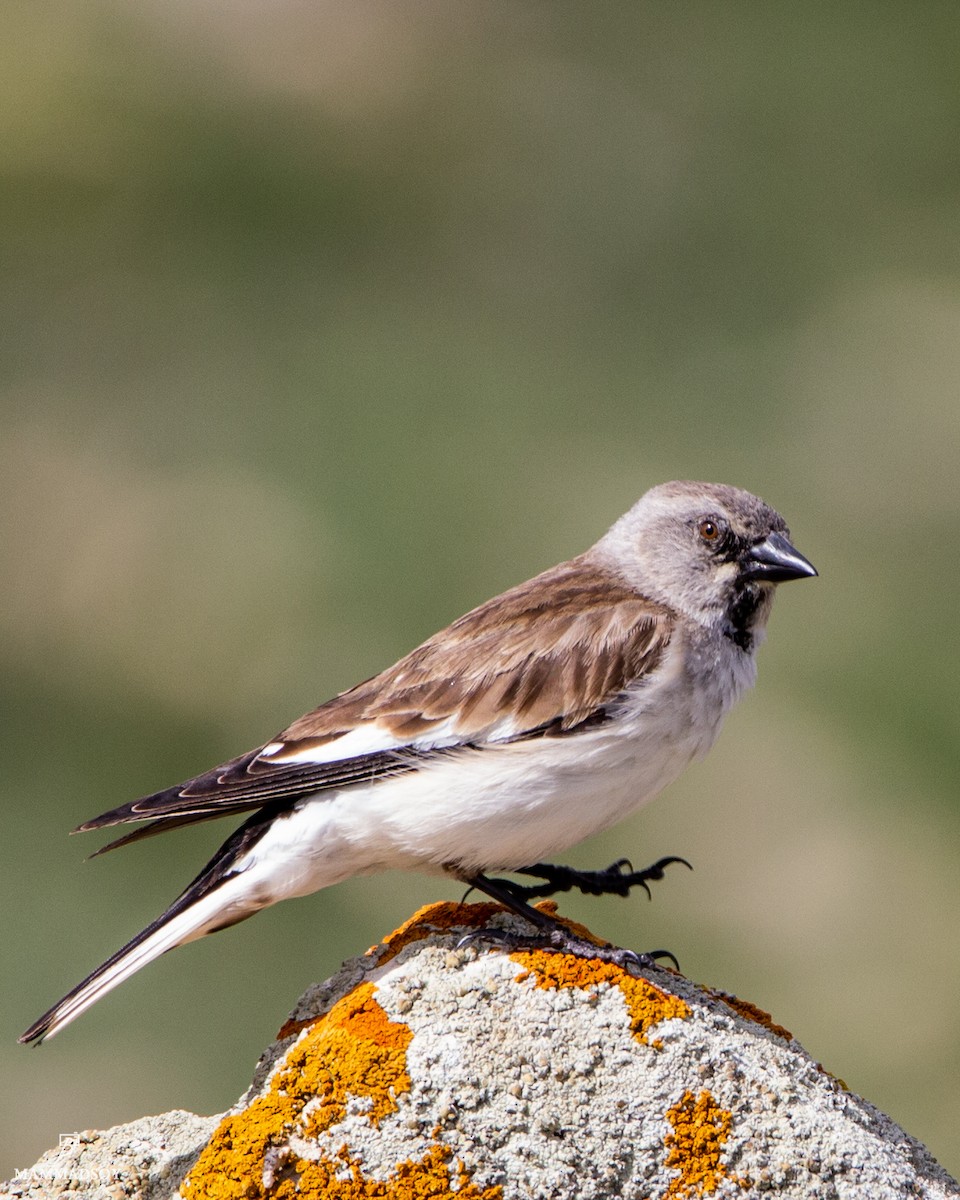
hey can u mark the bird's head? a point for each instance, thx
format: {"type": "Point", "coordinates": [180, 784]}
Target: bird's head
{"type": "Point", "coordinates": [711, 552]}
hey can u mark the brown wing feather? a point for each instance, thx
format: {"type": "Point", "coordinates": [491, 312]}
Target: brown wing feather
{"type": "Point", "coordinates": [546, 657]}
{"type": "Point", "coordinates": [553, 649]}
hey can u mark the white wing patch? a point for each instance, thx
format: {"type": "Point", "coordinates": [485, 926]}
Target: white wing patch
{"type": "Point", "coordinates": [374, 738]}
{"type": "Point", "coordinates": [370, 738]}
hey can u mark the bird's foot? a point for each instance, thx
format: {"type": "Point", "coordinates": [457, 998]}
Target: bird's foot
{"type": "Point", "coordinates": [551, 934]}
{"type": "Point", "coordinates": [615, 880]}
{"type": "Point", "coordinates": [560, 940]}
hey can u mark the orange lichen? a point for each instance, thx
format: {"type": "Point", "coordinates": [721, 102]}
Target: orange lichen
{"type": "Point", "coordinates": [356, 1051]}
{"type": "Point", "coordinates": [694, 1148]}
{"type": "Point", "coordinates": [646, 1004]}
{"type": "Point", "coordinates": [431, 919]}
{"type": "Point", "coordinates": [751, 1012]}
{"type": "Point", "coordinates": [428, 1178]}
{"type": "Point", "coordinates": [443, 916]}
{"type": "Point", "coordinates": [352, 1051]}
{"type": "Point", "coordinates": [446, 915]}
{"type": "Point", "coordinates": [360, 1052]}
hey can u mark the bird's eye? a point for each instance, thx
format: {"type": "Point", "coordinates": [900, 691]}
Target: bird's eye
{"type": "Point", "coordinates": [709, 530]}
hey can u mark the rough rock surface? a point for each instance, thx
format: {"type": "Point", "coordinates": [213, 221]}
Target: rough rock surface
{"type": "Point", "coordinates": [146, 1158]}
{"type": "Point", "coordinates": [427, 1070]}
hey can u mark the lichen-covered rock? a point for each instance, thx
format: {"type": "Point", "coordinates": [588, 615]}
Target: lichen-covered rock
{"type": "Point", "coordinates": [426, 1070]}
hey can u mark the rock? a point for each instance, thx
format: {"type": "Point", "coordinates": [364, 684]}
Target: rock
{"type": "Point", "coordinates": [145, 1159]}
{"type": "Point", "coordinates": [427, 1070]}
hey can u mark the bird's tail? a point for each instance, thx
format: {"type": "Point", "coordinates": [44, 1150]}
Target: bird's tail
{"type": "Point", "coordinates": [197, 912]}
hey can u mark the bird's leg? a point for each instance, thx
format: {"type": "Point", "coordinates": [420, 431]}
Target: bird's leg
{"type": "Point", "coordinates": [551, 934]}
{"type": "Point", "coordinates": [615, 880]}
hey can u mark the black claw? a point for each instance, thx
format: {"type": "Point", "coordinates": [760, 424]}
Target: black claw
{"type": "Point", "coordinates": [656, 955]}
{"type": "Point", "coordinates": [475, 935]}
{"type": "Point", "coordinates": [673, 858]}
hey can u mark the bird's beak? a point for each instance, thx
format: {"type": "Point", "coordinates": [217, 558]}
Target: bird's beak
{"type": "Point", "coordinates": [774, 560]}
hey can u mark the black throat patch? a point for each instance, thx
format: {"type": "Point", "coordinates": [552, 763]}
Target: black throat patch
{"type": "Point", "coordinates": [740, 617]}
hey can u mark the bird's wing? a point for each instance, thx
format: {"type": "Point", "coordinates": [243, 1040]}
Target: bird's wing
{"type": "Point", "coordinates": [543, 659]}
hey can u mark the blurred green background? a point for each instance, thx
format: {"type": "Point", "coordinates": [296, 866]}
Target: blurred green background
{"type": "Point", "coordinates": [323, 322]}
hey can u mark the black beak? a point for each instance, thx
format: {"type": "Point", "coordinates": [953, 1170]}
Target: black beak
{"type": "Point", "coordinates": [774, 560]}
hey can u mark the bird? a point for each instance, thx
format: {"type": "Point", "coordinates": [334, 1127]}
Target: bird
{"type": "Point", "coordinates": [543, 716]}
